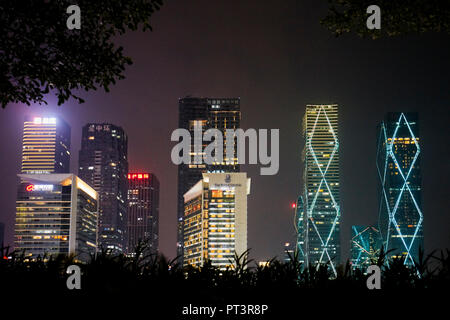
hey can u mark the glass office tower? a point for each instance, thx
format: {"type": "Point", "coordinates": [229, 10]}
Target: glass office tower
{"type": "Point", "coordinates": [365, 246]}
{"type": "Point", "coordinates": [45, 145]}
{"type": "Point", "coordinates": [143, 211]}
{"type": "Point", "coordinates": [321, 185]}
{"type": "Point", "coordinates": [218, 113]}
{"type": "Point", "coordinates": [103, 164]}
{"type": "Point", "coordinates": [400, 194]}
{"type": "Point", "coordinates": [56, 214]}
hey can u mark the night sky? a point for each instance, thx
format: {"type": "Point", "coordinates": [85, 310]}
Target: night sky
{"type": "Point", "coordinates": [277, 58]}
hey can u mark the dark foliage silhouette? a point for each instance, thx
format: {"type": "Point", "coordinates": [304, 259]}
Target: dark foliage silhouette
{"type": "Point", "coordinates": [39, 54]}
{"type": "Point", "coordinates": [114, 273]}
{"type": "Point", "coordinates": [397, 17]}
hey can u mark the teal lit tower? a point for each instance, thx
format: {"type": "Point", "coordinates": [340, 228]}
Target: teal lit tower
{"type": "Point", "coordinates": [299, 222]}
{"type": "Point", "coordinates": [365, 246]}
{"type": "Point", "coordinates": [321, 186]}
{"type": "Point", "coordinates": [400, 206]}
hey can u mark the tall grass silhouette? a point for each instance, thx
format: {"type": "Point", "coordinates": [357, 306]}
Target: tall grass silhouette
{"type": "Point", "coordinates": [155, 275]}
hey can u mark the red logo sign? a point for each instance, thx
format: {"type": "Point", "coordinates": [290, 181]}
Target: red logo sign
{"type": "Point", "coordinates": [139, 176]}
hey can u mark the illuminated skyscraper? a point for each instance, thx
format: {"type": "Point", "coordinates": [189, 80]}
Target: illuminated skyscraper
{"type": "Point", "coordinates": [45, 145]}
{"type": "Point", "coordinates": [143, 211]}
{"type": "Point", "coordinates": [398, 164]}
{"type": "Point", "coordinates": [321, 185]}
{"type": "Point", "coordinates": [299, 224]}
{"type": "Point", "coordinates": [103, 164]}
{"type": "Point", "coordinates": [55, 214]}
{"type": "Point", "coordinates": [215, 219]}
{"type": "Point", "coordinates": [2, 234]}
{"type": "Point", "coordinates": [365, 246]}
{"type": "Point", "coordinates": [218, 113]}
{"type": "Point", "coordinates": [288, 251]}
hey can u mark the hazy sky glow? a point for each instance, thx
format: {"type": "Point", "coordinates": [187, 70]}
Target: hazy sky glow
{"type": "Point", "coordinates": [277, 59]}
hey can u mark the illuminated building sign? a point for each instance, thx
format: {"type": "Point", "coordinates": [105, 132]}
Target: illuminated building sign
{"type": "Point", "coordinates": [44, 121]}
{"type": "Point", "coordinates": [138, 176]}
{"type": "Point", "coordinates": [39, 187]}
{"type": "Point", "coordinates": [99, 127]}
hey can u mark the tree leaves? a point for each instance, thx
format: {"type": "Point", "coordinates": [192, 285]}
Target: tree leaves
{"type": "Point", "coordinates": [397, 17]}
{"type": "Point", "coordinates": [39, 54]}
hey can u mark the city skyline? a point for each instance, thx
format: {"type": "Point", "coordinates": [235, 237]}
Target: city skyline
{"type": "Point", "coordinates": [394, 127]}
{"type": "Point", "coordinates": [277, 60]}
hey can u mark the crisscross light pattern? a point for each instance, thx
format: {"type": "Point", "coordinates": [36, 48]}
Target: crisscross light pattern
{"type": "Point", "coordinates": [365, 246]}
{"type": "Point", "coordinates": [321, 185]}
{"type": "Point", "coordinates": [398, 165]}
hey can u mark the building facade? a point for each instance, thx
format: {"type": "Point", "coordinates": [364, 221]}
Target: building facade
{"type": "Point", "coordinates": [321, 185]}
{"type": "Point", "coordinates": [103, 164]}
{"type": "Point", "coordinates": [55, 214]}
{"type": "Point", "coordinates": [365, 246]}
{"type": "Point", "coordinates": [215, 219]}
{"type": "Point", "coordinates": [217, 113]}
{"type": "Point", "coordinates": [299, 224]}
{"type": "Point", "coordinates": [45, 145]}
{"type": "Point", "coordinates": [143, 211]}
{"type": "Point", "coordinates": [400, 187]}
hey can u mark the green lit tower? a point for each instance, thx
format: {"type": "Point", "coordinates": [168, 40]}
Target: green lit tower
{"type": "Point", "coordinates": [321, 185]}
{"type": "Point", "coordinates": [400, 207]}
